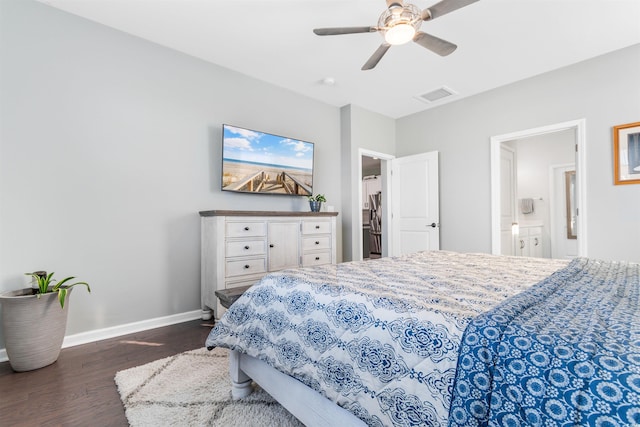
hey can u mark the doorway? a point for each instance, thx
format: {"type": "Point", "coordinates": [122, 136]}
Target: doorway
{"type": "Point", "coordinates": [371, 207]}
{"type": "Point", "coordinates": [564, 241]}
{"type": "Point", "coordinates": [577, 127]}
{"type": "Point", "coordinates": [413, 224]}
{"type": "Point", "coordinates": [373, 224]}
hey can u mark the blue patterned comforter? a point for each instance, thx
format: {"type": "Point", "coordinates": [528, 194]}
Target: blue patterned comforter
{"type": "Point", "coordinates": [380, 338]}
{"type": "Point", "coordinates": [566, 352]}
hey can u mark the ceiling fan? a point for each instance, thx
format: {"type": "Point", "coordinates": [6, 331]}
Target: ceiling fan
{"type": "Point", "coordinates": [399, 24]}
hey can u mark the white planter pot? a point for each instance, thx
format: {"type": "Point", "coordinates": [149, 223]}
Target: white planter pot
{"type": "Point", "coordinates": [33, 328]}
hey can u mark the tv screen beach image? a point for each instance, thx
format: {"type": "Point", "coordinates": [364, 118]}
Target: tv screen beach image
{"type": "Point", "coordinates": [259, 162]}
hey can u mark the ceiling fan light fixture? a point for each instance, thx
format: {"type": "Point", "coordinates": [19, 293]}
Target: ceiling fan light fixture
{"type": "Point", "coordinates": [399, 34]}
{"type": "Point", "coordinates": [399, 24]}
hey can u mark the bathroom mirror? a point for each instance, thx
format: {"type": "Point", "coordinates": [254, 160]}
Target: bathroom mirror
{"type": "Point", "coordinates": [570, 194]}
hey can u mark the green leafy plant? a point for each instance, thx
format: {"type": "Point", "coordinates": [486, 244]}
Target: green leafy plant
{"type": "Point", "coordinates": [45, 285]}
{"type": "Point", "coordinates": [317, 198]}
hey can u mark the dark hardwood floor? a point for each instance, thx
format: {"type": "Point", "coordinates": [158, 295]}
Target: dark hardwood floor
{"type": "Point", "coordinates": [78, 389]}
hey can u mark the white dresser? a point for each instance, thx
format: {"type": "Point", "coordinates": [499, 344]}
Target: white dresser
{"type": "Point", "coordinates": [239, 247]}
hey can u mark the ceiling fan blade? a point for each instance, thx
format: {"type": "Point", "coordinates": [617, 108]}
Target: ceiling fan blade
{"type": "Point", "coordinates": [376, 57]}
{"type": "Point", "coordinates": [444, 7]}
{"type": "Point", "coordinates": [344, 30]}
{"type": "Point", "coordinates": [434, 44]}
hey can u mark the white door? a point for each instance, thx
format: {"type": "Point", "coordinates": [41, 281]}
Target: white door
{"type": "Point", "coordinates": [561, 245]}
{"type": "Point", "coordinates": [507, 200]}
{"type": "Point", "coordinates": [415, 204]}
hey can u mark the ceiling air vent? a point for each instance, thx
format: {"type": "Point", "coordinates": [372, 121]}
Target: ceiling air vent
{"type": "Point", "coordinates": [436, 95]}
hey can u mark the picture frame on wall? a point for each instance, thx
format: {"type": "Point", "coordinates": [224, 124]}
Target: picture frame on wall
{"type": "Point", "coordinates": [626, 153]}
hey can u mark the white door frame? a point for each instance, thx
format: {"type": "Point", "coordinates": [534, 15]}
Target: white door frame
{"type": "Point", "coordinates": [579, 127]}
{"type": "Point", "coordinates": [385, 173]}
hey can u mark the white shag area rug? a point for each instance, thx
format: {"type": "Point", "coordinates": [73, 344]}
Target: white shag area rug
{"type": "Point", "coordinates": [193, 389]}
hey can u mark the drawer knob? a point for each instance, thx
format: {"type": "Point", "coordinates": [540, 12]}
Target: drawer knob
{"type": "Point", "coordinates": [317, 258]}
{"type": "Point", "coordinates": [246, 266]}
{"type": "Point", "coordinates": [246, 229]}
{"type": "Point", "coordinates": [246, 247]}
{"type": "Point", "coordinates": [317, 243]}
{"type": "Point", "coordinates": [271, 245]}
{"type": "Point", "coordinates": [317, 227]}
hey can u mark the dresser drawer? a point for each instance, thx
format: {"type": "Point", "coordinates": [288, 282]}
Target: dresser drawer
{"type": "Point", "coordinates": [245, 248]}
{"type": "Point", "coordinates": [317, 242]}
{"type": "Point", "coordinates": [316, 258]}
{"type": "Point", "coordinates": [316, 227]}
{"type": "Point", "coordinates": [246, 266]}
{"type": "Point", "coordinates": [246, 229]}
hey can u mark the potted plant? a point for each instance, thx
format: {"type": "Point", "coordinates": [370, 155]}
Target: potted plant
{"type": "Point", "coordinates": [34, 321]}
{"type": "Point", "coordinates": [315, 202]}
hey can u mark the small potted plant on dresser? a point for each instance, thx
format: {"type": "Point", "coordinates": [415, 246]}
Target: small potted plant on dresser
{"type": "Point", "coordinates": [315, 202]}
{"type": "Point", "coordinates": [34, 321]}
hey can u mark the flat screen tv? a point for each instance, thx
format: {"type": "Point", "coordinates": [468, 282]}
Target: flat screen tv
{"type": "Point", "coordinates": [262, 163]}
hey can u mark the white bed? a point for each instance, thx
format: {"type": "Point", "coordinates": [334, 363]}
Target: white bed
{"type": "Point", "coordinates": [306, 404]}
{"type": "Point", "coordinates": [378, 342]}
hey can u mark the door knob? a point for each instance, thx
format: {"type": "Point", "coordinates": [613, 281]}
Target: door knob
{"type": "Point", "coordinates": [434, 225]}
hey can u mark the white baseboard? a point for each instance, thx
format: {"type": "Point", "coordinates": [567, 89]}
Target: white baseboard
{"type": "Point", "coordinates": [116, 331]}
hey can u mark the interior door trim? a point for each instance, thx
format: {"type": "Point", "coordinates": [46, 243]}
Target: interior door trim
{"type": "Point", "coordinates": [386, 194]}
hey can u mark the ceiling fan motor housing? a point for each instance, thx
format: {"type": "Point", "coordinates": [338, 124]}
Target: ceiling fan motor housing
{"type": "Point", "coordinates": [402, 21]}
{"type": "Point", "coordinates": [396, 14]}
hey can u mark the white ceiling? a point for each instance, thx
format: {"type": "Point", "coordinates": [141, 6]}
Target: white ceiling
{"type": "Point", "coordinates": [499, 42]}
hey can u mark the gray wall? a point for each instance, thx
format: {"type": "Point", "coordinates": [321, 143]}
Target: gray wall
{"type": "Point", "coordinates": [605, 91]}
{"type": "Point", "coordinates": [361, 129]}
{"type": "Point", "coordinates": [109, 147]}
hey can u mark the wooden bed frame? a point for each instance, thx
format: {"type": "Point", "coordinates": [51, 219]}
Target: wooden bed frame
{"type": "Point", "coordinates": [306, 404]}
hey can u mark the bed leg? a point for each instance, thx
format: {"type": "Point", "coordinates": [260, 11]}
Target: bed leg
{"type": "Point", "coordinates": [205, 314]}
{"type": "Point", "coordinates": [240, 382]}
